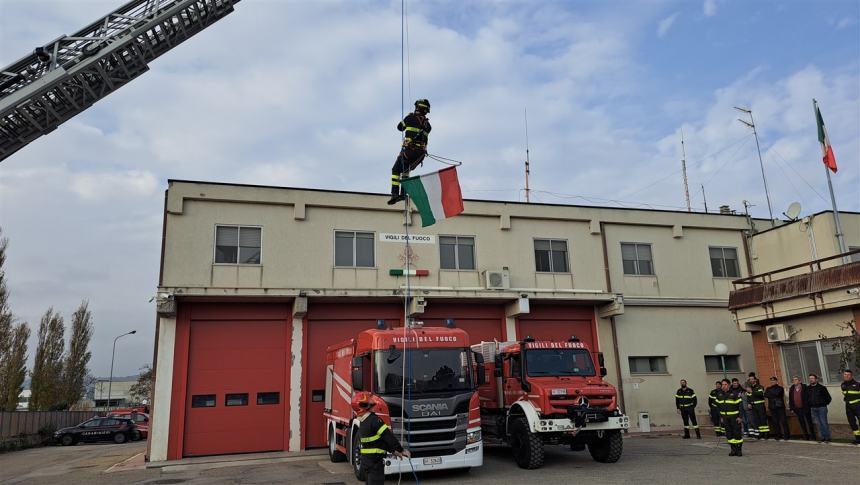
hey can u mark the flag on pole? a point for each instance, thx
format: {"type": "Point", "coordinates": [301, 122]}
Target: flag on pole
{"type": "Point", "coordinates": [436, 195]}
{"type": "Point", "coordinates": [826, 149]}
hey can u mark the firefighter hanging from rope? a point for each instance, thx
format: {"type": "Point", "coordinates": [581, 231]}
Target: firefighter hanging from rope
{"type": "Point", "coordinates": [416, 127]}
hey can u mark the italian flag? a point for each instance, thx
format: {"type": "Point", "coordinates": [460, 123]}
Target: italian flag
{"type": "Point", "coordinates": [826, 149]}
{"type": "Point", "coordinates": [436, 195]}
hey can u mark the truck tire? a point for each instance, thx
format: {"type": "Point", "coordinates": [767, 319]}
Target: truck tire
{"type": "Point", "coordinates": [527, 446]}
{"type": "Point", "coordinates": [607, 449]}
{"type": "Point", "coordinates": [355, 451]}
{"type": "Point", "coordinates": [333, 454]}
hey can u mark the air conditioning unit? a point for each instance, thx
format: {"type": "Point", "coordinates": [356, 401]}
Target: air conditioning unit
{"type": "Point", "coordinates": [497, 279]}
{"type": "Point", "coordinates": [779, 333]}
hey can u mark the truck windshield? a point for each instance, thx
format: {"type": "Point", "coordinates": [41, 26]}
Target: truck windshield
{"type": "Point", "coordinates": [559, 362]}
{"type": "Point", "coordinates": [429, 370]}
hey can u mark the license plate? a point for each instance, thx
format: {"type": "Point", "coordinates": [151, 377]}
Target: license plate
{"type": "Point", "coordinates": [433, 460]}
{"type": "Point", "coordinates": [559, 392]}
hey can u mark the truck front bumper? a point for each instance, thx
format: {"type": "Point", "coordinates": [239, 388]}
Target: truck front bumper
{"type": "Point", "coordinates": [471, 456]}
{"type": "Point", "coordinates": [567, 425]}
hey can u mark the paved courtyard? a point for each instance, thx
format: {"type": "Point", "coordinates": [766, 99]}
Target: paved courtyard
{"type": "Point", "coordinates": [647, 459]}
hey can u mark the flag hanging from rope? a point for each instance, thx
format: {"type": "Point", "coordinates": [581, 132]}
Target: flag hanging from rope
{"type": "Point", "coordinates": [826, 149]}
{"type": "Point", "coordinates": [436, 195]}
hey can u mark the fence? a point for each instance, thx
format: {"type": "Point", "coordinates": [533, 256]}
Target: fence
{"type": "Point", "coordinates": [30, 422]}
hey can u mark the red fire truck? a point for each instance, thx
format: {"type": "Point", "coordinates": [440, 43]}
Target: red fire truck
{"type": "Point", "coordinates": [437, 412]}
{"type": "Point", "coordinates": [548, 392]}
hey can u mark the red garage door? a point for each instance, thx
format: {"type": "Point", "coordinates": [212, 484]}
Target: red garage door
{"type": "Point", "coordinates": [328, 324]}
{"type": "Point", "coordinates": [482, 322]}
{"type": "Point", "coordinates": [557, 322]}
{"type": "Point", "coordinates": [237, 391]}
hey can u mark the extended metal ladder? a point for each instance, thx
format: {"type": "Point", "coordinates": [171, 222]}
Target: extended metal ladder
{"type": "Point", "coordinates": [66, 76]}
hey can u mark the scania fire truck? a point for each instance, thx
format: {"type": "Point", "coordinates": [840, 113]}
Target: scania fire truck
{"type": "Point", "coordinates": [435, 408]}
{"type": "Point", "coordinates": [549, 392]}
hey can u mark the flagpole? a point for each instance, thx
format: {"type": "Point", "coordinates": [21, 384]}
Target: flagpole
{"type": "Point", "coordinates": [840, 237]}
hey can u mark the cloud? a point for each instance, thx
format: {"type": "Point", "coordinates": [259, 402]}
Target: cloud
{"type": "Point", "coordinates": [664, 25]}
{"type": "Point", "coordinates": [106, 185]}
{"type": "Point", "coordinates": [710, 8]}
{"type": "Point", "coordinates": [845, 22]}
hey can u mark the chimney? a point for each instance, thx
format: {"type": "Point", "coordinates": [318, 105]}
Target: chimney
{"type": "Point", "coordinates": [724, 209]}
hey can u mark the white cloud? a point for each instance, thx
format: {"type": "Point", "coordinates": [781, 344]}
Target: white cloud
{"type": "Point", "coordinates": [664, 25]}
{"type": "Point", "coordinates": [710, 8]}
{"type": "Point", "coordinates": [845, 22]}
{"type": "Point", "coordinates": [107, 185]}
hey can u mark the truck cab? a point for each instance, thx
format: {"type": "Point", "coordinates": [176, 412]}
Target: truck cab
{"type": "Point", "coordinates": [549, 392]}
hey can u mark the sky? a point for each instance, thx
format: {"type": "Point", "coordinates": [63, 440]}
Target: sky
{"type": "Point", "coordinates": [308, 93]}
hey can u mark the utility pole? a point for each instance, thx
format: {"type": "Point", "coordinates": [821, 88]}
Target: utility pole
{"type": "Point", "coordinates": [684, 170]}
{"type": "Point", "coordinates": [704, 199]}
{"type": "Point", "coordinates": [751, 124]}
{"type": "Point", "coordinates": [526, 118]}
{"type": "Point", "coordinates": [112, 355]}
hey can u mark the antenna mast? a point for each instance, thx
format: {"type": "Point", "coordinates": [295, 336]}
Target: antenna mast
{"type": "Point", "coordinates": [526, 118]}
{"type": "Point", "coordinates": [684, 170]}
{"type": "Point", "coordinates": [704, 199]}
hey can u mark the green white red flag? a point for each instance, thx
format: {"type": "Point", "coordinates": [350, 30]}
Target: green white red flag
{"type": "Point", "coordinates": [826, 149]}
{"type": "Point", "coordinates": [436, 195]}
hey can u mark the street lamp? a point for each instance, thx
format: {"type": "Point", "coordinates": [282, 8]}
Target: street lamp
{"type": "Point", "coordinates": [110, 382]}
{"type": "Point", "coordinates": [722, 349]}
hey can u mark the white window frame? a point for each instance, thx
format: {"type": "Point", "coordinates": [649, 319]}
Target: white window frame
{"type": "Point", "coordinates": [457, 253]}
{"type": "Point", "coordinates": [550, 240]}
{"type": "Point", "coordinates": [824, 376]}
{"type": "Point", "coordinates": [723, 259]}
{"type": "Point", "coordinates": [237, 263]}
{"type": "Point", "coordinates": [354, 259]}
{"type": "Point", "coordinates": [636, 261]}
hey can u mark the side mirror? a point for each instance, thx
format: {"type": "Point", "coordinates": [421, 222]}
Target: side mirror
{"type": "Point", "coordinates": [602, 371]}
{"type": "Point", "coordinates": [526, 386]}
{"type": "Point", "coordinates": [482, 372]}
{"type": "Point", "coordinates": [145, 420]}
{"type": "Point", "coordinates": [600, 359]}
{"type": "Point", "coordinates": [358, 373]}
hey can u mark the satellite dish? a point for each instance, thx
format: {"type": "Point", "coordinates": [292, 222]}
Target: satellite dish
{"type": "Point", "coordinates": [793, 211]}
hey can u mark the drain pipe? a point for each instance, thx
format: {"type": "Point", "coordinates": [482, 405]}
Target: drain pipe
{"type": "Point", "coordinates": [615, 352]}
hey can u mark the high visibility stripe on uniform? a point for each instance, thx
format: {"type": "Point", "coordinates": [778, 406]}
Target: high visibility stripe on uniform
{"type": "Point", "coordinates": [373, 451]}
{"type": "Point", "coordinates": [850, 392]}
{"type": "Point", "coordinates": [375, 437]}
{"type": "Point", "coordinates": [413, 129]}
{"type": "Point", "coordinates": [854, 401]}
{"type": "Point", "coordinates": [757, 402]}
{"type": "Point", "coordinates": [856, 432]}
{"type": "Point", "coordinates": [735, 442]}
{"type": "Point", "coordinates": [729, 413]}
{"type": "Point", "coordinates": [765, 429]}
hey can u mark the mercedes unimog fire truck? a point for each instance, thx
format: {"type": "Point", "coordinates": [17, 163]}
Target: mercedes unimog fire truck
{"type": "Point", "coordinates": [437, 410]}
{"type": "Point", "coordinates": [548, 392]}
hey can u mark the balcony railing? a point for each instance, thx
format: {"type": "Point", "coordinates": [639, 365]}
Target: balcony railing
{"type": "Point", "coordinates": [769, 287]}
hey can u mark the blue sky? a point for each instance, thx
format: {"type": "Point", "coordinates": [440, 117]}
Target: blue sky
{"type": "Point", "coordinates": [302, 93]}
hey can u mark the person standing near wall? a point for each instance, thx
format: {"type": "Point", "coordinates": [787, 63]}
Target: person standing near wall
{"type": "Point", "coordinates": [685, 402]}
{"type": "Point", "coordinates": [755, 398]}
{"type": "Point", "coordinates": [730, 401]}
{"type": "Point", "coordinates": [851, 393]}
{"type": "Point", "coordinates": [736, 386]}
{"type": "Point", "coordinates": [714, 409]}
{"type": "Point", "coordinates": [798, 403]}
{"type": "Point", "coordinates": [775, 395]}
{"type": "Point", "coordinates": [819, 398]}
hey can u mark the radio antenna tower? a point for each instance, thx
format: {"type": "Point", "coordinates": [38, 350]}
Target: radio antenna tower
{"type": "Point", "coordinates": [684, 170]}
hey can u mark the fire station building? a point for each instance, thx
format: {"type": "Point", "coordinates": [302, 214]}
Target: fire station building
{"type": "Point", "coordinates": [256, 282]}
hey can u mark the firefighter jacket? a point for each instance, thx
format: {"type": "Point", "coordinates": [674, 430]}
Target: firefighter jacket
{"type": "Point", "coordinates": [376, 437]}
{"type": "Point", "coordinates": [755, 395]}
{"type": "Point", "coordinates": [685, 398]}
{"type": "Point", "coordinates": [712, 399]}
{"type": "Point", "coordinates": [818, 396]}
{"type": "Point", "coordinates": [851, 392]}
{"type": "Point", "coordinates": [775, 395]}
{"type": "Point", "coordinates": [416, 128]}
{"type": "Point", "coordinates": [730, 402]}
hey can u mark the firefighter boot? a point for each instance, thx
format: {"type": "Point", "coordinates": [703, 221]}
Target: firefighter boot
{"type": "Point", "coordinates": [733, 452]}
{"type": "Point", "coordinates": [395, 194]}
{"type": "Point", "coordinates": [698, 434]}
{"type": "Point", "coordinates": [740, 451]}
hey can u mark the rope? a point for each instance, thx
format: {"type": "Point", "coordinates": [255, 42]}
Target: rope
{"type": "Point", "coordinates": [446, 161]}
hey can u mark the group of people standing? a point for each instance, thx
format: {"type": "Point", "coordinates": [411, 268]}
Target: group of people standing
{"type": "Point", "coordinates": [737, 410]}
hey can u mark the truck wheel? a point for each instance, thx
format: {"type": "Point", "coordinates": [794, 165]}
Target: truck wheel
{"type": "Point", "coordinates": [355, 450]}
{"type": "Point", "coordinates": [119, 438]}
{"type": "Point", "coordinates": [67, 440]}
{"type": "Point", "coordinates": [607, 449]}
{"type": "Point", "coordinates": [527, 446]}
{"type": "Point", "coordinates": [334, 455]}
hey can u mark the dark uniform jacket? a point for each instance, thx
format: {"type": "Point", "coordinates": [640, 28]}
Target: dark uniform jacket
{"type": "Point", "coordinates": [851, 392]}
{"type": "Point", "coordinates": [417, 128]}
{"type": "Point", "coordinates": [818, 396]}
{"type": "Point", "coordinates": [685, 398]}
{"type": "Point", "coordinates": [376, 438]}
{"type": "Point", "coordinates": [755, 395]}
{"type": "Point", "coordinates": [775, 395]}
{"type": "Point", "coordinates": [796, 406]}
{"type": "Point", "coordinates": [730, 402]}
{"type": "Point", "coordinates": [712, 399]}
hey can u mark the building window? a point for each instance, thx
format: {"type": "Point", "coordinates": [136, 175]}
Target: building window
{"type": "Point", "coordinates": [551, 256]}
{"type": "Point", "coordinates": [636, 259]}
{"type": "Point", "coordinates": [647, 365]}
{"type": "Point", "coordinates": [856, 256]}
{"type": "Point", "coordinates": [457, 252]}
{"type": "Point", "coordinates": [824, 358]}
{"type": "Point", "coordinates": [264, 398]}
{"type": "Point", "coordinates": [838, 356]}
{"type": "Point", "coordinates": [724, 262]}
{"type": "Point", "coordinates": [240, 399]}
{"type": "Point", "coordinates": [238, 244]}
{"type": "Point", "coordinates": [353, 249]}
{"type": "Point", "coordinates": [713, 363]}
{"type": "Point", "coordinates": [203, 401]}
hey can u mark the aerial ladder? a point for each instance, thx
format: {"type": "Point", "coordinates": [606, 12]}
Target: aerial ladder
{"type": "Point", "coordinates": [60, 79]}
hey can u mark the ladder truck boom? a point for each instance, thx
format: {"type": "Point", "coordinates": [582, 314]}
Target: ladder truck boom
{"type": "Point", "coordinates": [60, 79]}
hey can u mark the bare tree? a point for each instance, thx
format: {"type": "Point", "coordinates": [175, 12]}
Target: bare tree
{"type": "Point", "coordinates": [78, 356]}
{"type": "Point", "coordinates": [47, 373]}
{"type": "Point", "coordinates": [141, 390]}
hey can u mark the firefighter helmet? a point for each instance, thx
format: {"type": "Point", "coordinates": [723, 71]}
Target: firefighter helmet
{"type": "Point", "coordinates": [362, 402]}
{"type": "Point", "coordinates": [422, 105]}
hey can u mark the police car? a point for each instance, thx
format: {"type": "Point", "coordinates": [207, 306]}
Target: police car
{"type": "Point", "coordinates": [118, 430]}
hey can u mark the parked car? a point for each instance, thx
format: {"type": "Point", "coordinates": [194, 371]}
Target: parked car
{"type": "Point", "coordinates": [118, 430]}
{"type": "Point", "coordinates": [141, 420]}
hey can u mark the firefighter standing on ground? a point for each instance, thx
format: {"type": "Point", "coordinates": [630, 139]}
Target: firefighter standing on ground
{"type": "Point", "coordinates": [714, 409]}
{"type": "Point", "coordinates": [851, 393]}
{"type": "Point", "coordinates": [730, 401]}
{"type": "Point", "coordinates": [685, 401]}
{"type": "Point", "coordinates": [755, 401]}
{"type": "Point", "coordinates": [415, 128]}
{"type": "Point", "coordinates": [376, 438]}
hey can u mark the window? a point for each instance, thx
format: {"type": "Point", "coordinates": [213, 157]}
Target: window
{"type": "Point", "coordinates": [856, 256]}
{"type": "Point", "coordinates": [551, 256]}
{"type": "Point", "coordinates": [647, 365]}
{"type": "Point", "coordinates": [353, 249]}
{"type": "Point", "coordinates": [203, 401]}
{"type": "Point", "coordinates": [264, 398]}
{"type": "Point", "coordinates": [515, 365]}
{"type": "Point", "coordinates": [822, 358]}
{"type": "Point", "coordinates": [724, 262]}
{"type": "Point", "coordinates": [457, 252]}
{"type": "Point", "coordinates": [713, 363]}
{"type": "Point", "coordinates": [237, 244]}
{"type": "Point", "coordinates": [636, 259]}
{"type": "Point", "coordinates": [236, 399]}
{"type": "Point", "coordinates": [837, 358]}
{"type": "Point", "coordinates": [93, 423]}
